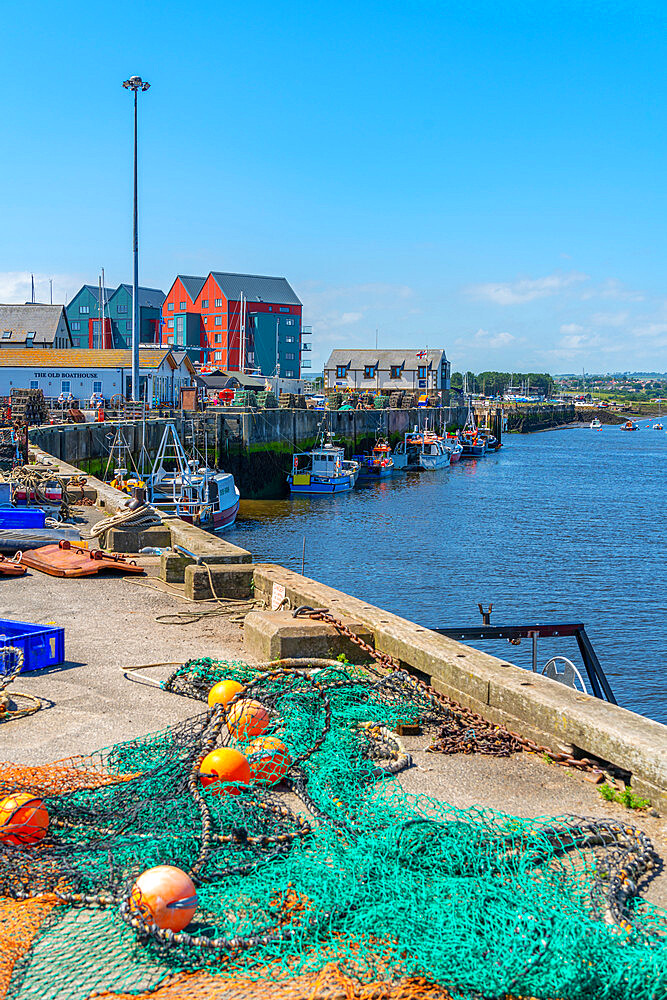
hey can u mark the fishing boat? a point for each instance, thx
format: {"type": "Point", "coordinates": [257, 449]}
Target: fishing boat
{"type": "Point", "coordinates": [422, 450]}
{"type": "Point", "coordinates": [378, 464]}
{"type": "Point", "coordinates": [492, 443]}
{"type": "Point", "coordinates": [456, 448]}
{"type": "Point", "coordinates": [657, 426]}
{"type": "Point", "coordinates": [325, 469]}
{"type": "Point", "coordinates": [472, 442]}
{"type": "Point", "coordinates": [596, 424]}
{"type": "Point", "coordinates": [189, 488]}
{"type": "Point", "coordinates": [630, 425]}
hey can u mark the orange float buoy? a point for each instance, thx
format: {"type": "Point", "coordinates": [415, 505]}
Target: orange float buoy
{"type": "Point", "coordinates": [223, 766]}
{"type": "Point", "coordinates": [223, 692]}
{"type": "Point", "coordinates": [23, 819]}
{"type": "Point", "coordinates": [165, 895]}
{"type": "Point", "coordinates": [247, 718]}
{"type": "Point", "coordinates": [268, 758]}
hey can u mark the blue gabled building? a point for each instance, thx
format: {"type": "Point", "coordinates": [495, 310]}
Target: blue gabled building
{"type": "Point", "coordinates": [87, 324]}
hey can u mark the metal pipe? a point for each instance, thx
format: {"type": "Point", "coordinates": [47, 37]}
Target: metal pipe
{"type": "Point", "coordinates": [135, 273]}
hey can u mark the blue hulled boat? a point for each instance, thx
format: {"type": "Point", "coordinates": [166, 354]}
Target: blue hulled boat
{"type": "Point", "coordinates": [323, 470]}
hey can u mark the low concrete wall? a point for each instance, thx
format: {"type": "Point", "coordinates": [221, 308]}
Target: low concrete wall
{"type": "Point", "coordinates": [527, 703]}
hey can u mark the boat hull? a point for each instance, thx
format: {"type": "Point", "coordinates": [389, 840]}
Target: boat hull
{"type": "Point", "coordinates": [381, 472]}
{"type": "Point", "coordinates": [311, 485]}
{"type": "Point", "coordinates": [473, 450]}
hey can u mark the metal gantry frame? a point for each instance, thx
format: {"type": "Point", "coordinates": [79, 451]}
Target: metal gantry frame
{"type": "Point", "coordinates": [600, 686]}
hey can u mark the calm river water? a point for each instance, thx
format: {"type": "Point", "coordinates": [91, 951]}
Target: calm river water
{"type": "Point", "coordinates": [567, 525]}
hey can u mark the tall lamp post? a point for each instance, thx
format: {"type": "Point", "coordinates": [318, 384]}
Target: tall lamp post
{"type": "Point", "coordinates": [135, 83]}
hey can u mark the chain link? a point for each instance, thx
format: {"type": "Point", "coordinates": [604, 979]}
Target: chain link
{"type": "Point", "coordinates": [480, 734]}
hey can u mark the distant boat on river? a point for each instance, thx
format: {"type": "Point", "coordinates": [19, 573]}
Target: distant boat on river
{"type": "Point", "coordinates": [630, 425]}
{"type": "Point", "coordinates": [596, 424]}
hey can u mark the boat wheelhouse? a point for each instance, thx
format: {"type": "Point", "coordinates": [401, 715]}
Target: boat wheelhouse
{"type": "Point", "coordinates": [596, 424]}
{"type": "Point", "coordinates": [325, 470]}
{"type": "Point", "coordinates": [630, 425]}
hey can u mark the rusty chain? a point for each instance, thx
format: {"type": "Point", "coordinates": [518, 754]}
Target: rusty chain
{"type": "Point", "coordinates": [472, 732]}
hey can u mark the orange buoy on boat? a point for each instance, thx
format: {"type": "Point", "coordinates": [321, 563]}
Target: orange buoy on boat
{"type": "Point", "coordinates": [223, 692]}
{"type": "Point", "coordinates": [221, 768]}
{"type": "Point", "coordinates": [165, 895]}
{"type": "Point", "coordinates": [247, 718]}
{"type": "Point", "coordinates": [268, 758]}
{"type": "Point", "coordinates": [24, 819]}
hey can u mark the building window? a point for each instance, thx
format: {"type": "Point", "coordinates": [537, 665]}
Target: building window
{"type": "Point", "coordinates": [284, 309]}
{"type": "Point", "coordinates": [218, 355]}
{"type": "Point", "coordinates": [182, 305]}
{"type": "Point", "coordinates": [395, 371]}
{"type": "Point", "coordinates": [369, 371]}
{"type": "Point", "coordinates": [218, 303]}
{"type": "Point", "coordinates": [341, 371]}
{"type": "Point", "coordinates": [289, 357]}
{"type": "Point", "coordinates": [34, 384]}
{"type": "Point", "coordinates": [179, 324]}
{"type": "Point", "coordinates": [96, 326]}
{"type": "Point", "coordinates": [290, 340]}
{"type": "Point", "coordinates": [84, 310]}
{"type": "Point", "coordinates": [65, 385]}
{"type": "Point", "coordinates": [30, 336]}
{"type": "Point", "coordinates": [289, 375]}
{"type": "Point", "coordinates": [121, 308]}
{"type": "Point", "coordinates": [170, 323]}
{"type": "Point", "coordinates": [218, 320]}
{"type": "Point", "coordinates": [75, 325]}
{"type": "Point", "coordinates": [218, 338]}
{"type": "Point", "coordinates": [170, 307]}
{"type": "Point", "coordinates": [421, 371]}
{"type": "Point", "coordinates": [128, 324]}
{"type": "Point", "coordinates": [204, 303]}
{"type": "Point", "coordinates": [289, 322]}
{"type": "Point", "coordinates": [6, 334]}
{"type": "Point", "coordinates": [97, 387]}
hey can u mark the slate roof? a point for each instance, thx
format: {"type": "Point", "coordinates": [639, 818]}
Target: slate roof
{"type": "Point", "coordinates": [152, 298]}
{"type": "Point", "coordinates": [356, 359]}
{"type": "Point", "coordinates": [256, 288]}
{"type": "Point", "coordinates": [42, 320]}
{"type": "Point", "coordinates": [95, 292]}
{"type": "Point", "coordinates": [83, 358]}
{"type": "Point", "coordinates": [193, 285]}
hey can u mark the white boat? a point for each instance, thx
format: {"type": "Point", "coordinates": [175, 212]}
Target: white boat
{"type": "Point", "coordinates": [596, 424]}
{"type": "Point", "coordinates": [421, 450]}
{"type": "Point", "coordinates": [192, 491]}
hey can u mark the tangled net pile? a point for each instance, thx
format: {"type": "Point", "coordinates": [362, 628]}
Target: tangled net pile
{"type": "Point", "coordinates": [335, 883]}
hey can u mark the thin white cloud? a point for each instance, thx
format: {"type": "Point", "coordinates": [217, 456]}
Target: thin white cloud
{"type": "Point", "coordinates": [571, 328]}
{"type": "Point", "coordinates": [486, 339]}
{"type": "Point", "coordinates": [525, 289]}
{"type": "Point", "coordinates": [612, 288]}
{"type": "Point", "coordinates": [350, 317]}
{"type": "Point", "coordinates": [610, 319]}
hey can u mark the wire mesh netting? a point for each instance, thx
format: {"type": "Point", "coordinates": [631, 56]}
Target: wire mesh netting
{"type": "Point", "coordinates": [330, 882]}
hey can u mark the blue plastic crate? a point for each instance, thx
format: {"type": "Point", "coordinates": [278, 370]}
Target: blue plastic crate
{"type": "Point", "coordinates": [42, 645]}
{"type": "Point", "coordinates": [22, 517]}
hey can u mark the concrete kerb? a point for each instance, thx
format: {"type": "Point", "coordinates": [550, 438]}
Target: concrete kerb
{"type": "Point", "coordinates": [532, 705]}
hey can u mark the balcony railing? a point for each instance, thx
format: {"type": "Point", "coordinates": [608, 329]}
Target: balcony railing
{"type": "Point", "coordinates": [306, 347]}
{"type": "Point", "coordinates": [307, 331]}
{"type": "Point", "coordinates": [306, 363]}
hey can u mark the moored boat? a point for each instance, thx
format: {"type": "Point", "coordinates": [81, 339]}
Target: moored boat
{"type": "Point", "coordinates": [190, 489]}
{"type": "Point", "coordinates": [325, 470]}
{"type": "Point", "coordinates": [421, 450]}
{"type": "Point", "coordinates": [596, 424]}
{"type": "Point", "coordinates": [455, 447]}
{"type": "Point", "coordinates": [378, 464]}
{"type": "Point", "coordinates": [630, 425]}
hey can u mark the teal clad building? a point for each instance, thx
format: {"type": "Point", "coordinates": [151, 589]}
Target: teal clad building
{"type": "Point", "coordinates": [115, 328]}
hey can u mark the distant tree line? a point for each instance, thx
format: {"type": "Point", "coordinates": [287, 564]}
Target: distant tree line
{"type": "Point", "coordinates": [497, 383]}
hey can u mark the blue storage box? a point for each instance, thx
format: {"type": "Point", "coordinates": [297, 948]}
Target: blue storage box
{"type": "Point", "coordinates": [22, 517]}
{"type": "Point", "coordinates": [42, 645]}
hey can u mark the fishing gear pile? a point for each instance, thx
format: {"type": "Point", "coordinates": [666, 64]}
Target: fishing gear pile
{"type": "Point", "coordinates": [266, 849]}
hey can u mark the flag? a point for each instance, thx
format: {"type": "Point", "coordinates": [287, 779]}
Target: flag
{"type": "Point", "coordinates": [421, 354]}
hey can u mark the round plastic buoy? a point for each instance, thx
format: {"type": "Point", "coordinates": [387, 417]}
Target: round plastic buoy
{"type": "Point", "coordinates": [269, 759]}
{"type": "Point", "coordinates": [221, 767]}
{"type": "Point", "coordinates": [247, 718]}
{"type": "Point", "coordinates": [166, 895]}
{"type": "Point", "coordinates": [24, 819]}
{"type": "Point", "coordinates": [223, 692]}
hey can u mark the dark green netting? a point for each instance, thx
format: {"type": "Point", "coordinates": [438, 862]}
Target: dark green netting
{"type": "Point", "coordinates": [335, 864]}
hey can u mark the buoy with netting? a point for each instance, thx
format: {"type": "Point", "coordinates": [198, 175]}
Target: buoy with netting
{"type": "Point", "coordinates": [24, 819]}
{"type": "Point", "coordinates": [268, 758]}
{"type": "Point", "coordinates": [247, 718]}
{"type": "Point", "coordinates": [222, 767]}
{"type": "Point", "coordinates": [223, 692]}
{"type": "Point", "coordinates": [165, 895]}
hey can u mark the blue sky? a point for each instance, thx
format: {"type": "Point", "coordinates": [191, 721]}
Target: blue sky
{"type": "Point", "coordinates": [485, 177]}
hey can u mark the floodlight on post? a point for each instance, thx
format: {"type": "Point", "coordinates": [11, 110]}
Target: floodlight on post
{"type": "Point", "coordinates": [135, 84]}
